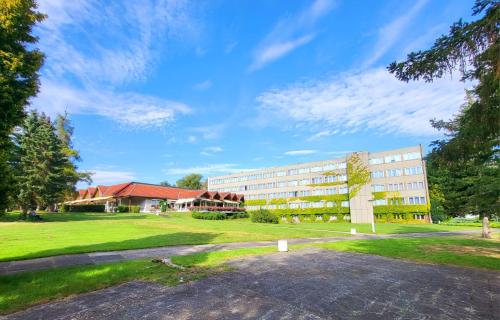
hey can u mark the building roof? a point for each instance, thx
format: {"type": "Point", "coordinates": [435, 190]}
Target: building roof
{"type": "Point", "coordinates": [138, 189]}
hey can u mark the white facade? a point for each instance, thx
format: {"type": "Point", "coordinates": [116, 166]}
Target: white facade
{"type": "Point", "coordinates": [401, 171]}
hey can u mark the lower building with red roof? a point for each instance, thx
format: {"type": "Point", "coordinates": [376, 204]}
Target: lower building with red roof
{"type": "Point", "coordinates": [149, 197]}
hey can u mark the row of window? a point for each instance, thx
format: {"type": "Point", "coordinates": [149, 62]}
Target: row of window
{"type": "Point", "coordinates": [298, 205]}
{"type": "Point", "coordinates": [281, 173]}
{"type": "Point", "coordinates": [409, 200]}
{"type": "Point", "coordinates": [283, 184]}
{"type": "Point", "coordinates": [417, 185]}
{"type": "Point", "coordinates": [396, 158]}
{"type": "Point", "coordinates": [397, 172]}
{"type": "Point", "coordinates": [295, 194]}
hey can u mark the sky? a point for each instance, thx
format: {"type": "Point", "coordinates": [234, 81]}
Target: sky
{"type": "Point", "coordinates": [158, 89]}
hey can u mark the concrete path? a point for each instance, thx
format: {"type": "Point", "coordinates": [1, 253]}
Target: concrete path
{"type": "Point", "coordinates": [93, 258]}
{"type": "Point", "coordinates": [304, 284]}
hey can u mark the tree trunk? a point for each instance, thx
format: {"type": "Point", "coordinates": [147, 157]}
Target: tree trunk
{"type": "Point", "coordinates": [486, 227]}
{"type": "Point", "coordinates": [24, 213]}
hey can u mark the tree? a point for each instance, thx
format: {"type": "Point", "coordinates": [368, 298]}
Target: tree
{"type": "Point", "coordinates": [165, 184]}
{"type": "Point", "coordinates": [19, 65]}
{"type": "Point", "coordinates": [64, 131]}
{"type": "Point", "coordinates": [469, 154]}
{"type": "Point", "coordinates": [39, 163]}
{"type": "Point", "coordinates": [191, 181]}
{"type": "Point", "coordinates": [358, 174]}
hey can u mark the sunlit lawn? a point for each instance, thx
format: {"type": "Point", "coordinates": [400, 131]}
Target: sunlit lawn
{"type": "Point", "coordinates": [88, 232]}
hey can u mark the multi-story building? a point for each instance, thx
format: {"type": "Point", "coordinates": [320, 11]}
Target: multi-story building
{"type": "Point", "coordinates": [398, 186]}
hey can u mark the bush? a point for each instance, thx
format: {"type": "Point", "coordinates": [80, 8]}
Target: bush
{"type": "Point", "coordinates": [219, 215]}
{"type": "Point", "coordinates": [83, 208]}
{"type": "Point", "coordinates": [264, 216]}
{"type": "Point", "coordinates": [209, 215]}
{"type": "Point", "coordinates": [134, 209]}
{"type": "Point", "coordinates": [218, 209]}
{"type": "Point", "coordinates": [122, 209]}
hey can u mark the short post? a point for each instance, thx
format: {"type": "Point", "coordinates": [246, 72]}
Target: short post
{"type": "Point", "coordinates": [353, 231]}
{"type": "Point", "coordinates": [282, 245]}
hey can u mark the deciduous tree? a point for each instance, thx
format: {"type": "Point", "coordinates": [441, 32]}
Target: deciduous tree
{"type": "Point", "coordinates": [191, 181]}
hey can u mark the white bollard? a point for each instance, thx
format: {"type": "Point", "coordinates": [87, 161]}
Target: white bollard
{"type": "Point", "coordinates": [353, 231]}
{"type": "Point", "coordinates": [282, 245]}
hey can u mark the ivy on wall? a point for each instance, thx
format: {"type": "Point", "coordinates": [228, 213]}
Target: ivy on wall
{"type": "Point", "coordinates": [337, 198]}
{"type": "Point", "coordinates": [403, 208]}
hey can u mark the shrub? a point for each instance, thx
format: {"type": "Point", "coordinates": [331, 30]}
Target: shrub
{"type": "Point", "coordinates": [122, 209]}
{"type": "Point", "coordinates": [236, 215]}
{"type": "Point", "coordinates": [83, 208]}
{"type": "Point", "coordinates": [209, 215]}
{"type": "Point", "coordinates": [264, 216]}
{"type": "Point", "coordinates": [217, 209]}
{"type": "Point", "coordinates": [134, 209]}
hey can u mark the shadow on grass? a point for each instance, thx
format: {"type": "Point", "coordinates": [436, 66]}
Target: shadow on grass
{"type": "Point", "coordinates": [172, 239]}
{"type": "Point", "coordinates": [77, 216]}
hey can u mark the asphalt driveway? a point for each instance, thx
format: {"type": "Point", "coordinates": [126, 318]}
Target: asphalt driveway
{"type": "Point", "coordinates": [306, 284]}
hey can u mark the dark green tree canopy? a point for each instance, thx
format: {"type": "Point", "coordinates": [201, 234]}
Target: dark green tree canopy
{"type": "Point", "coordinates": [191, 181]}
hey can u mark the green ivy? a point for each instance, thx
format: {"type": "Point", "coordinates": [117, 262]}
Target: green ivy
{"type": "Point", "coordinates": [379, 195]}
{"type": "Point", "coordinates": [337, 198]}
{"type": "Point", "coordinates": [405, 208]}
{"type": "Point", "coordinates": [310, 211]}
{"type": "Point", "coordinates": [258, 202]}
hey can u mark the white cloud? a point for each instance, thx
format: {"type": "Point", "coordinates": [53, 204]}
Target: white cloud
{"type": "Point", "coordinates": [373, 99]}
{"type": "Point", "coordinates": [110, 177]}
{"type": "Point", "coordinates": [204, 85]}
{"type": "Point", "coordinates": [129, 109]}
{"type": "Point", "coordinates": [192, 139]}
{"type": "Point", "coordinates": [211, 169]}
{"type": "Point", "coordinates": [210, 132]}
{"type": "Point", "coordinates": [300, 152]}
{"type": "Point", "coordinates": [84, 68]}
{"type": "Point", "coordinates": [289, 34]}
{"type": "Point", "coordinates": [209, 151]}
{"type": "Point", "coordinates": [322, 134]}
{"type": "Point", "coordinates": [278, 49]}
{"type": "Point", "coordinates": [389, 34]}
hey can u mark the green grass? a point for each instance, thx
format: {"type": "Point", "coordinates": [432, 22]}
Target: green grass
{"type": "Point", "coordinates": [20, 291]}
{"type": "Point", "coordinates": [471, 251]}
{"type": "Point", "coordinates": [89, 232]}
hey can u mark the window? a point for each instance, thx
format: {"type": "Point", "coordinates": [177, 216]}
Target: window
{"type": "Point", "coordinates": [330, 167]}
{"type": "Point", "coordinates": [303, 170]}
{"type": "Point", "coordinates": [395, 187]}
{"type": "Point", "coordinates": [377, 174]}
{"type": "Point", "coordinates": [292, 183]}
{"type": "Point", "coordinates": [294, 205]}
{"type": "Point", "coordinates": [378, 187]}
{"type": "Point", "coordinates": [330, 178]}
{"type": "Point", "coordinates": [416, 200]}
{"type": "Point", "coordinates": [345, 204]}
{"type": "Point", "coordinates": [281, 173]}
{"type": "Point", "coordinates": [342, 165]}
{"type": "Point", "coordinates": [281, 184]}
{"type": "Point", "coordinates": [292, 172]}
{"type": "Point", "coordinates": [393, 172]}
{"type": "Point", "coordinates": [392, 158]}
{"type": "Point", "coordinates": [343, 190]}
{"type": "Point", "coordinates": [331, 191]}
{"type": "Point", "coordinates": [304, 182]}
{"type": "Point", "coordinates": [343, 178]}
{"type": "Point", "coordinates": [376, 161]}
{"type": "Point", "coordinates": [305, 205]}
{"type": "Point", "coordinates": [316, 169]}
{"type": "Point", "coordinates": [318, 192]}
{"type": "Point", "coordinates": [318, 204]}
{"type": "Point", "coordinates": [411, 156]}
{"type": "Point", "coordinates": [380, 202]}
{"type": "Point", "coordinates": [317, 180]}
{"type": "Point", "coordinates": [292, 194]}
{"type": "Point", "coordinates": [413, 171]}
{"type": "Point", "coordinates": [305, 193]}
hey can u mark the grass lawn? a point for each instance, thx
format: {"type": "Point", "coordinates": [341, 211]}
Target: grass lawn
{"type": "Point", "coordinates": [89, 232]}
{"type": "Point", "coordinates": [465, 251]}
{"type": "Point", "coordinates": [20, 291]}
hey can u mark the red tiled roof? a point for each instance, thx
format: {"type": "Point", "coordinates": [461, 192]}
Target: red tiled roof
{"type": "Point", "coordinates": [137, 189]}
{"type": "Point", "coordinates": [81, 194]}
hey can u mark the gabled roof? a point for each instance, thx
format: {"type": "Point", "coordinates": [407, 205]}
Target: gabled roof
{"type": "Point", "coordinates": [138, 189]}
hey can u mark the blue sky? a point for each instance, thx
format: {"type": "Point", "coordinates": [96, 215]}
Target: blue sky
{"type": "Point", "coordinates": [160, 89]}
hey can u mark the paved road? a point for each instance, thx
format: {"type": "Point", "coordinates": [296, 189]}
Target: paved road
{"type": "Point", "coordinates": [163, 252]}
{"type": "Point", "coordinates": [305, 284]}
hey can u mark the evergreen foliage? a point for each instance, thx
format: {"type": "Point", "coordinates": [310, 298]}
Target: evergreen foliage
{"type": "Point", "coordinates": [464, 169]}
{"type": "Point", "coordinates": [191, 181]}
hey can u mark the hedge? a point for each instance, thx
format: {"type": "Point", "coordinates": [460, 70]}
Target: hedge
{"type": "Point", "coordinates": [217, 209]}
{"type": "Point", "coordinates": [219, 215]}
{"type": "Point", "coordinates": [83, 208]}
{"type": "Point", "coordinates": [133, 209]}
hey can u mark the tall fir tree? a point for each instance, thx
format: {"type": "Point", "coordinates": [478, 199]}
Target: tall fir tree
{"type": "Point", "coordinates": [39, 164]}
{"type": "Point", "coordinates": [19, 65]}
{"type": "Point", "coordinates": [465, 165]}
